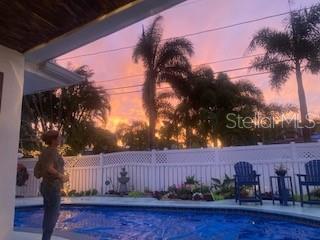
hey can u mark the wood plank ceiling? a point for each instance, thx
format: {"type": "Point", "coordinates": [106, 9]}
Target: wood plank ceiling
{"type": "Point", "coordinates": [25, 24]}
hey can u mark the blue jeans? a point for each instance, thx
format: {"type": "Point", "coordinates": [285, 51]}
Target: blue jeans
{"type": "Point", "coordinates": [51, 203]}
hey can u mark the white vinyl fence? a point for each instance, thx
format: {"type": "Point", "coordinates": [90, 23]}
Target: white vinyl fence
{"type": "Point", "coordinates": [156, 170]}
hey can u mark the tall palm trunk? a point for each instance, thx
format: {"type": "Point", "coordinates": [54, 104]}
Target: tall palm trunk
{"type": "Point", "coordinates": [152, 129]}
{"type": "Point", "coordinates": [303, 104]}
{"type": "Point", "coordinates": [152, 112]}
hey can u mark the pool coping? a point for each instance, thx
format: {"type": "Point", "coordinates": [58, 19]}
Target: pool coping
{"type": "Point", "coordinates": [57, 234]}
{"type": "Point", "coordinates": [307, 212]}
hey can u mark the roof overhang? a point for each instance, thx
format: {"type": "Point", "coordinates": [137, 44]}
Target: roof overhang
{"type": "Point", "coordinates": [48, 76]}
{"type": "Point", "coordinates": [101, 27]}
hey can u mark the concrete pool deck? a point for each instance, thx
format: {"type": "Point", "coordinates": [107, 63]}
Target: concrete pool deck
{"type": "Point", "coordinates": [307, 212]}
{"type": "Point", "coordinates": [31, 236]}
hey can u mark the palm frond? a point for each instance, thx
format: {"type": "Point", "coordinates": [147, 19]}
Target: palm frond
{"type": "Point", "coordinates": [280, 73]}
{"type": "Point", "coordinates": [148, 43]}
{"type": "Point", "coordinates": [248, 89]}
{"type": "Point", "coordinates": [177, 49]}
{"type": "Point", "coordinates": [273, 41]}
{"type": "Point", "coordinates": [203, 73]}
{"type": "Point", "coordinates": [280, 68]}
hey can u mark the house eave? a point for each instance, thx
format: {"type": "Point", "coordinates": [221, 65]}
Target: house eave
{"type": "Point", "coordinates": [48, 76]}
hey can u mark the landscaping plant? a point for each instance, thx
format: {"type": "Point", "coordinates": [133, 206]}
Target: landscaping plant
{"type": "Point", "coordinates": [224, 188]}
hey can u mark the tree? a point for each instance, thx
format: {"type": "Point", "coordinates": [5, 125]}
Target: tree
{"type": "Point", "coordinates": [202, 112]}
{"type": "Point", "coordinates": [169, 134]}
{"type": "Point", "coordinates": [133, 136]}
{"type": "Point", "coordinates": [164, 61]}
{"type": "Point", "coordinates": [276, 125]}
{"type": "Point", "coordinates": [292, 50]}
{"type": "Point", "coordinates": [241, 99]}
{"type": "Point", "coordinates": [74, 111]}
{"type": "Point", "coordinates": [103, 141]}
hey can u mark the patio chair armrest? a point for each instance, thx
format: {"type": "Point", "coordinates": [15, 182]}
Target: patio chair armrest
{"type": "Point", "coordinates": [257, 176]}
{"type": "Point", "coordinates": [301, 175]}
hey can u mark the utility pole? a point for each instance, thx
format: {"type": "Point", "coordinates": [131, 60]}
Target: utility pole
{"type": "Point", "coordinates": [290, 2]}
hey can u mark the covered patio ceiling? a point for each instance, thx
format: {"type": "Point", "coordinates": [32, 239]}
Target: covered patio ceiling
{"type": "Point", "coordinates": [26, 24]}
{"type": "Point", "coordinates": [44, 29]}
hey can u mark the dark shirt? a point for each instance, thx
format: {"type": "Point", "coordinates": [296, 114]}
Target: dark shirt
{"type": "Point", "coordinates": [50, 156]}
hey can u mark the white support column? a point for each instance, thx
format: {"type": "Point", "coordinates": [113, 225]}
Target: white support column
{"type": "Point", "coordinates": [12, 67]}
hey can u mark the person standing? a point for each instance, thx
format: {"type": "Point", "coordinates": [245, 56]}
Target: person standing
{"type": "Point", "coordinates": [51, 167]}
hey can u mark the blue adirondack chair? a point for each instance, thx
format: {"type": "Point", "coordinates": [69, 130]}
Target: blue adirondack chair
{"type": "Point", "coordinates": [246, 176]}
{"type": "Point", "coordinates": [311, 178]}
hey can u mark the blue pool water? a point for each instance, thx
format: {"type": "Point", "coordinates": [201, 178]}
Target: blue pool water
{"type": "Point", "coordinates": [136, 223]}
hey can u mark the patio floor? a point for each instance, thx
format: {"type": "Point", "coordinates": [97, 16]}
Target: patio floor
{"type": "Point", "coordinates": [308, 211]}
{"type": "Point", "coordinates": [31, 236]}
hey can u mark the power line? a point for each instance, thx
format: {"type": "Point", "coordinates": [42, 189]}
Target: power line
{"type": "Point", "coordinates": [196, 65]}
{"type": "Point", "coordinates": [136, 91]}
{"type": "Point", "coordinates": [187, 4]}
{"type": "Point", "coordinates": [130, 86]}
{"type": "Point", "coordinates": [160, 88]}
{"type": "Point", "coordinates": [230, 59]}
{"type": "Point", "coordinates": [185, 35]}
{"type": "Point", "coordinates": [120, 78]}
{"type": "Point", "coordinates": [223, 71]}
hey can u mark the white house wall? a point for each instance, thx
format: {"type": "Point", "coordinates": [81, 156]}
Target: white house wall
{"type": "Point", "coordinates": [12, 66]}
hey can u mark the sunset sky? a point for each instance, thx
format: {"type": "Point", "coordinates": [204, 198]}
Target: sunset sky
{"type": "Point", "coordinates": [190, 17]}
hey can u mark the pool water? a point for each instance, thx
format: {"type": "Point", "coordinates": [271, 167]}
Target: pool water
{"type": "Point", "coordinates": [137, 223]}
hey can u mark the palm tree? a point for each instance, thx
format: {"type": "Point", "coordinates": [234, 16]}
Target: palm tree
{"type": "Point", "coordinates": [293, 50]}
{"type": "Point", "coordinates": [164, 61]}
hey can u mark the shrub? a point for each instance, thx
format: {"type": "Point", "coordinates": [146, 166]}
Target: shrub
{"type": "Point", "coordinates": [63, 194]}
{"type": "Point", "coordinates": [202, 189]}
{"type": "Point", "coordinates": [72, 193]}
{"type": "Point", "coordinates": [112, 192]}
{"type": "Point", "coordinates": [79, 194]}
{"type": "Point", "coordinates": [184, 193]}
{"type": "Point", "coordinates": [94, 192]}
{"type": "Point", "coordinates": [22, 175]}
{"type": "Point", "coordinates": [172, 188]}
{"type": "Point", "coordinates": [191, 180]}
{"type": "Point", "coordinates": [158, 194]}
{"type": "Point", "coordinates": [197, 196]}
{"type": "Point", "coordinates": [172, 195]}
{"type": "Point", "coordinates": [185, 196]}
{"type": "Point", "coordinates": [224, 188]}
{"type": "Point", "coordinates": [207, 197]}
{"type": "Point", "coordinates": [216, 197]}
{"type": "Point", "coordinates": [135, 194]}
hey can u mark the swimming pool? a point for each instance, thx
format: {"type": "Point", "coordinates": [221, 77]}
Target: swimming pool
{"type": "Point", "coordinates": [104, 223]}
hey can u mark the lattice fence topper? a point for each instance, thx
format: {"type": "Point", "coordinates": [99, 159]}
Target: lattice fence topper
{"type": "Point", "coordinates": [190, 156]}
{"type": "Point", "coordinates": [256, 153]}
{"type": "Point", "coordinates": [82, 161]}
{"type": "Point", "coordinates": [308, 152]}
{"type": "Point", "coordinates": [125, 158]}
